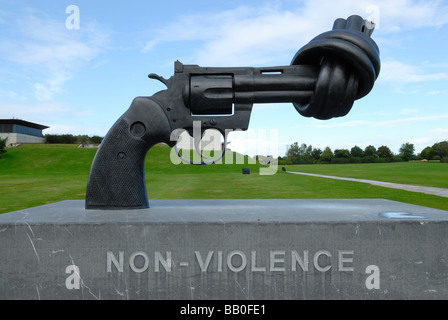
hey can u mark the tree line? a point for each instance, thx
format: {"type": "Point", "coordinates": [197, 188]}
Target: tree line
{"type": "Point", "coordinates": [61, 139]}
{"type": "Point", "coordinates": [306, 154]}
{"type": "Point", "coordinates": [72, 139]}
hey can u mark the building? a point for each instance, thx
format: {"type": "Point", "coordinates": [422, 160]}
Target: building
{"type": "Point", "coordinates": [21, 132]}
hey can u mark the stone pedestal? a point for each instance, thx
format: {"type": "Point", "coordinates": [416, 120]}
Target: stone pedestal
{"type": "Point", "coordinates": [226, 249]}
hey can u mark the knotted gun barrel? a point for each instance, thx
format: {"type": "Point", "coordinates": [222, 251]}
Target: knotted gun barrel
{"type": "Point", "coordinates": [324, 79]}
{"type": "Point", "coordinates": [349, 63]}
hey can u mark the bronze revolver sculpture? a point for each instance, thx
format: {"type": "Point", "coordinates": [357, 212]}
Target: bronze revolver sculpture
{"type": "Point", "coordinates": [324, 79]}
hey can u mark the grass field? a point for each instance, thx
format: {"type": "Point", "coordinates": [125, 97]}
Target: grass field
{"type": "Point", "coordinates": [431, 174]}
{"type": "Point", "coordinates": [33, 175]}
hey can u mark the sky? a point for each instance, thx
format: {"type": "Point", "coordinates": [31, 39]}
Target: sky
{"type": "Point", "coordinates": [79, 76]}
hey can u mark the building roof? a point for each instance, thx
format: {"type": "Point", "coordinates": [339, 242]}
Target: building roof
{"type": "Point", "coordinates": [23, 123]}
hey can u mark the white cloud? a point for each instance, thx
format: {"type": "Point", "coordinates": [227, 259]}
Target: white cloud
{"type": "Point", "coordinates": [399, 73]}
{"type": "Point", "coordinates": [392, 16]}
{"type": "Point", "coordinates": [354, 123]}
{"type": "Point", "coordinates": [55, 115]}
{"type": "Point", "coordinates": [49, 53]}
{"type": "Point", "coordinates": [8, 94]}
{"type": "Point", "coordinates": [245, 35]}
{"type": "Point", "coordinates": [421, 140]}
{"type": "Point", "coordinates": [256, 35]}
{"type": "Point", "coordinates": [440, 130]}
{"type": "Point", "coordinates": [406, 121]}
{"type": "Point", "coordinates": [391, 123]}
{"type": "Point", "coordinates": [42, 111]}
{"type": "Point", "coordinates": [27, 110]}
{"type": "Point", "coordinates": [407, 111]}
{"type": "Point", "coordinates": [57, 128]}
{"type": "Point", "coordinates": [398, 15]}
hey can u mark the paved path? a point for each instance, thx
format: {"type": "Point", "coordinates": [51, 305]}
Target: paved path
{"type": "Point", "coordinates": [441, 192]}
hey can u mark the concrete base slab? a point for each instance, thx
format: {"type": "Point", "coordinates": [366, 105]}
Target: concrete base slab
{"type": "Point", "coordinates": [226, 249]}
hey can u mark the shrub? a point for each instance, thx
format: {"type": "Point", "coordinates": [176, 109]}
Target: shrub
{"type": "Point", "coordinates": [355, 160]}
{"type": "Point", "coordinates": [60, 138]}
{"type": "Point", "coordinates": [368, 159]}
{"type": "Point", "coordinates": [282, 162]}
{"type": "Point", "coordinates": [339, 160]}
{"type": "Point", "coordinates": [3, 145]}
{"type": "Point", "coordinates": [71, 139]}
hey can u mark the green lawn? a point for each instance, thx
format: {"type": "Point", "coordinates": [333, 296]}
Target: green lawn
{"type": "Point", "coordinates": [431, 174]}
{"type": "Point", "coordinates": [34, 175]}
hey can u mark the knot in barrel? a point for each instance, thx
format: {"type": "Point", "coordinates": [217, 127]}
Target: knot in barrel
{"type": "Point", "coordinates": [349, 66]}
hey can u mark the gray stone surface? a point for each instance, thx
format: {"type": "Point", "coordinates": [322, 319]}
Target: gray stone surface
{"type": "Point", "coordinates": [226, 249]}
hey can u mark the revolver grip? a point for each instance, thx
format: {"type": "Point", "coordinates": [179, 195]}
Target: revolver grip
{"type": "Point", "coordinates": [117, 175]}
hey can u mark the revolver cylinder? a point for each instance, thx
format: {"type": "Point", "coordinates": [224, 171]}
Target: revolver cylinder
{"type": "Point", "coordinates": [215, 94]}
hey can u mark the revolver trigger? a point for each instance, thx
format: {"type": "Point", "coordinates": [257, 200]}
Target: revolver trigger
{"type": "Point", "coordinates": [159, 78]}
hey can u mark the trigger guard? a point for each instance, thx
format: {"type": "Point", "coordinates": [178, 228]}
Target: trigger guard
{"type": "Point", "coordinates": [202, 162]}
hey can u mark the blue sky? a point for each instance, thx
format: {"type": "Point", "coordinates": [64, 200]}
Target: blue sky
{"type": "Point", "coordinates": [81, 81]}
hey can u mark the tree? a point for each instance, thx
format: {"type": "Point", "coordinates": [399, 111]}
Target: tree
{"type": "Point", "coordinates": [71, 139]}
{"type": "Point", "coordinates": [96, 139]}
{"type": "Point", "coordinates": [305, 153]}
{"type": "Point", "coordinates": [428, 153]}
{"type": "Point", "coordinates": [293, 152]}
{"type": "Point", "coordinates": [407, 151]}
{"type": "Point", "coordinates": [327, 155]}
{"type": "Point", "coordinates": [82, 139]}
{"type": "Point", "coordinates": [316, 153]}
{"type": "Point", "coordinates": [60, 138]}
{"type": "Point", "coordinates": [341, 153]}
{"type": "Point", "coordinates": [384, 152]}
{"type": "Point", "coordinates": [3, 145]}
{"type": "Point", "coordinates": [441, 149]}
{"type": "Point", "coordinates": [370, 151]}
{"type": "Point", "coordinates": [356, 152]}
{"type": "Point", "coordinates": [299, 154]}
{"type": "Point", "coordinates": [309, 154]}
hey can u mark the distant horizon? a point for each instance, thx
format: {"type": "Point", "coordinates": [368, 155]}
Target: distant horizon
{"type": "Point", "coordinates": [266, 154]}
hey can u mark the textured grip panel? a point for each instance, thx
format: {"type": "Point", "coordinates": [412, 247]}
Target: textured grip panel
{"type": "Point", "coordinates": [117, 176]}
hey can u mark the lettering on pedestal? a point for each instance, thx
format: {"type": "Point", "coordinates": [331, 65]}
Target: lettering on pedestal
{"type": "Point", "coordinates": [237, 261]}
